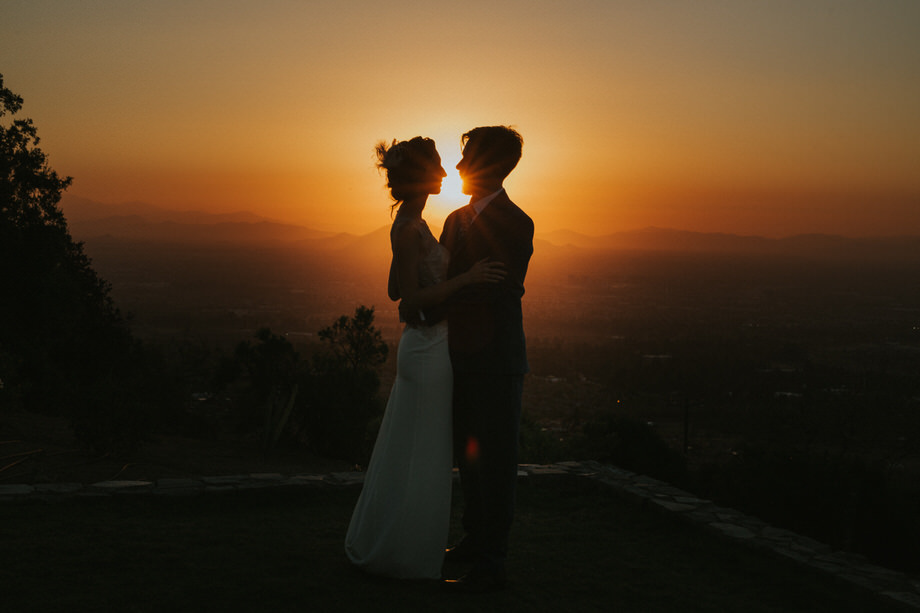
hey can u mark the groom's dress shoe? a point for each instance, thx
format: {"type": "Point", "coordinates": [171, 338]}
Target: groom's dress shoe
{"type": "Point", "coordinates": [476, 583]}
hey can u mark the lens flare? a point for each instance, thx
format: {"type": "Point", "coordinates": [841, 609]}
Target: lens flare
{"type": "Point", "coordinates": [472, 449]}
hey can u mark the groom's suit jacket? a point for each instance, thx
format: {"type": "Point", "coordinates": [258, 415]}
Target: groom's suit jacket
{"type": "Point", "coordinates": [485, 324]}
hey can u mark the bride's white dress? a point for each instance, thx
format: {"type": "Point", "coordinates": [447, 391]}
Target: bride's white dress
{"type": "Point", "coordinates": [400, 523]}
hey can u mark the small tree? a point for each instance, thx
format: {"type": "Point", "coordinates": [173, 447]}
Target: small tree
{"type": "Point", "coordinates": [344, 387]}
{"type": "Point", "coordinates": [356, 341]}
{"type": "Point", "coordinates": [327, 402]}
{"type": "Point", "coordinates": [274, 369]}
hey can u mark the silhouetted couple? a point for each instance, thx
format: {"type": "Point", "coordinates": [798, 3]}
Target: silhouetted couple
{"type": "Point", "coordinates": [460, 368]}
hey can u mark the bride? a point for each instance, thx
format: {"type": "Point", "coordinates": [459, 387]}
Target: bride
{"type": "Point", "coordinates": [400, 522]}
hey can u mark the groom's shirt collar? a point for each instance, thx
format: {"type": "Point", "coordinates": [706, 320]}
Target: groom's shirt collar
{"type": "Point", "coordinates": [480, 204]}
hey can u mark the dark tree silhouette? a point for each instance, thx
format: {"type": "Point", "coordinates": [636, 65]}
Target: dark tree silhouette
{"type": "Point", "coordinates": [356, 340]}
{"type": "Point", "coordinates": [343, 402]}
{"type": "Point", "coordinates": [274, 370]}
{"type": "Point", "coordinates": [329, 403]}
{"type": "Point", "coordinates": [60, 333]}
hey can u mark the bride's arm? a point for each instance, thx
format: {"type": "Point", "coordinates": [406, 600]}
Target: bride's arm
{"type": "Point", "coordinates": [406, 249]}
{"type": "Point", "coordinates": [393, 281]}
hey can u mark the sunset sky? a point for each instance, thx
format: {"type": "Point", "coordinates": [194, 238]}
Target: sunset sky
{"type": "Point", "coordinates": [767, 117]}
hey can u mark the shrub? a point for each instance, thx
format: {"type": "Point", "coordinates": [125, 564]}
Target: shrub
{"type": "Point", "coordinates": [337, 409]}
{"type": "Point", "coordinates": [344, 386]}
{"type": "Point", "coordinates": [327, 403]}
{"type": "Point", "coordinates": [633, 445]}
{"type": "Point", "coordinates": [120, 409]}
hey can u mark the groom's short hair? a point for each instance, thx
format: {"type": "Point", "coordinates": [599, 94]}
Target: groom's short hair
{"type": "Point", "coordinates": [497, 149]}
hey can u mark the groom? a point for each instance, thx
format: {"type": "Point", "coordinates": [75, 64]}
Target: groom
{"type": "Point", "coordinates": [486, 340]}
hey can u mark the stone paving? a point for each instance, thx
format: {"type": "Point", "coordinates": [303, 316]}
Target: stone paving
{"type": "Point", "coordinates": [650, 493]}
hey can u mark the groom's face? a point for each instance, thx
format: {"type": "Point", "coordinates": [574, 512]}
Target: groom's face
{"type": "Point", "coordinates": [462, 166]}
{"type": "Point", "coordinates": [471, 169]}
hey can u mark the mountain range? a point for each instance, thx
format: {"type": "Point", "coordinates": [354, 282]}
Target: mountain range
{"type": "Point", "coordinates": [89, 220]}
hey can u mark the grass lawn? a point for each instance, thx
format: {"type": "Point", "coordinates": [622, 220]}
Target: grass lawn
{"type": "Point", "coordinates": [575, 547]}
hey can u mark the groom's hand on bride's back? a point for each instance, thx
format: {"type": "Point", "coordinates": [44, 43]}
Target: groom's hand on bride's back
{"type": "Point", "coordinates": [410, 316]}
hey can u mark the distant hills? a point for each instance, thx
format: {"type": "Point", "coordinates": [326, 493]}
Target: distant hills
{"type": "Point", "coordinates": [670, 240]}
{"type": "Point", "coordinates": [92, 221]}
{"type": "Point", "coordinates": [88, 220]}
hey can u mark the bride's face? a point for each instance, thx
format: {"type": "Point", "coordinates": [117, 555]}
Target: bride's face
{"type": "Point", "coordinates": [434, 176]}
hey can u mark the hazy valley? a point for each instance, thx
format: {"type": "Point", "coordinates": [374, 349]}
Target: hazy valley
{"type": "Point", "coordinates": [718, 319]}
{"type": "Point", "coordinates": [222, 276]}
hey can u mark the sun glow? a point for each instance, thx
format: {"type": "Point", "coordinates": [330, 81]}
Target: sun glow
{"type": "Point", "coordinates": [451, 196]}
{"type": "Point", "coordinates": [692, 118]}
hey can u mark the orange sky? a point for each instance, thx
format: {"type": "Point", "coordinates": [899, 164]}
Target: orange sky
{"type": "Point", "coordinates": [754, 117]}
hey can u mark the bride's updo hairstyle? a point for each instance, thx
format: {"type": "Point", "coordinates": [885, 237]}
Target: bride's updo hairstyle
{"type": "Point", "coordinates": [409, 165]}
